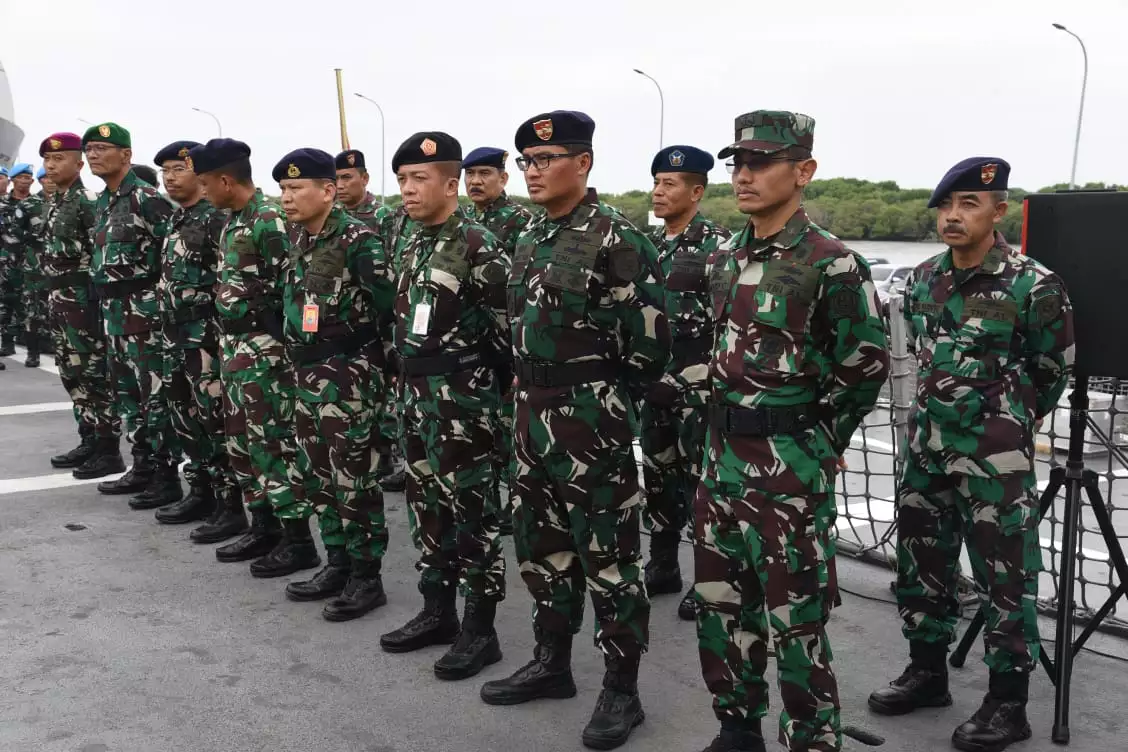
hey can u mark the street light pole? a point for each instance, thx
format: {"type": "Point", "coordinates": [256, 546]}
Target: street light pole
{"type": "Point", "coordinates": [83, 120]}
{"type": "Point", "coordinates": [1081, 111]}
{"type": "Point", "coordinates": [661, 110]}
{"type": "Point", "coordinates": [383, 168]}
{"type": "Point", "coordinates": [213, 117]}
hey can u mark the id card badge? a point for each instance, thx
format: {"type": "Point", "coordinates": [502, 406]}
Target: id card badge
{"type": "Point", "coordinates": [309, 317]}
{"type": "Point", "coordinates": [422, 319]}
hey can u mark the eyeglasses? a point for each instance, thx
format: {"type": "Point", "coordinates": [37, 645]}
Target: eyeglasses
{"type": "Point", "coordinates": [99, 148]}
{"type": "Point", "coordinates": [756, 163]}
{"type": "Point", "coordinates": [542, 161]}
{"type": "Point", "coordinates": [177, 170]}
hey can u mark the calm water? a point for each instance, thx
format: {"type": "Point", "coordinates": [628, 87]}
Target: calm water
{"type": "Point", "coordinates": [908, 254]}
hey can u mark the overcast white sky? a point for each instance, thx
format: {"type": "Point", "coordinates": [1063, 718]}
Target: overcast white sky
{"type": "Point", "coordinates": [900, 89]}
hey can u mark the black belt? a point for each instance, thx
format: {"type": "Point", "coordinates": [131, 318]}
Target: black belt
{"type": "Point", "coordinates": [438, 365]}
{"type": "Point", "coordinates": [763, 421]}
{"type": "Point", "coordinates": [122, 287]}
{"type": "Point", "coordinates": [70, 279]}
{"type": "Point", "coordinates": [548, 374]}
{"type": "Point", "coordinates": [192, 313]}
{"type": "Point", "coordinates": [365, 334]}
{"type": "Point", "coordinates": [692, 350]}
{"type": "Point", "coordinates": [258, 321]}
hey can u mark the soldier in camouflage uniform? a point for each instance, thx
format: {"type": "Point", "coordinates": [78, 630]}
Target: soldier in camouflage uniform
{"type": "Point", "coordinates": [189, 388]}
{"type": "Point", "coordinates": [486, 179]}
{"type": "Point", "coordinates": [337, 296]}
{"type": "Point", "coordinates": [36, 333]}
{"type": "Point", "coordinates": [673, 414]}
{"type": "Point", "coordinates": [589, 336]}
{"type": "Point", "coordinates": [258, 388]}
{"type": "Point", "coordinates": [131, 225]}
{"type": "Point", "coordinates": [450, 333]}
{"type": "Point", "coordinates": [15, 218]}
{"type": "Point", "coordinates": [75, 315]}
{"type": "Point", "coordinates": [798, 360]}
{"type": "Point", "coordinates": [993, 333]}
{"type": "Point", "coordinates": [22, 238]}
{"type": "Point", "coordinates": [46, 184]}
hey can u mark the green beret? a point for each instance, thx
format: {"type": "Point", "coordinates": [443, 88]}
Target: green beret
{"type": "Point", "coordinates": [108, 133]}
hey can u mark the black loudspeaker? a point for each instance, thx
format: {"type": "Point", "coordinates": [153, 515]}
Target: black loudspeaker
{"type": "Point", "coordinates": [1083, 236]}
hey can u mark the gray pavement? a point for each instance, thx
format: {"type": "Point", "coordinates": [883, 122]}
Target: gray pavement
{"type": "Point", "coordinates": [120, 636]}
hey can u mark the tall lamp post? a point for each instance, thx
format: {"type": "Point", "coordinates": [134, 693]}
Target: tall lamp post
{"type": "Point", "coordinates": [1081, 111]}
{"type": "Point", "coordinates": [383, 167]}
{"type": "Point", "coordinates": [84, 120]}
{"type": "Point", "coordinates": [218, 125]}
{"type": "Point", "coordinates": [661, 109]}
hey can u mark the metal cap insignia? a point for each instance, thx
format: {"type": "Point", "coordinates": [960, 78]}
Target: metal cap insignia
{"type": "Point", "coordinates": [676, 159]}
{"type": "Point", "coordinates": [988, 172]}
{"type": "Point", "coordinates": [183, 153]}
{"type": "Point", "coordinates": [191, 166]}
{"type": "Point", "coordinates": [429, 147]}
{"type": "Point", "coordinates": [104, 131]}
{"type": "Point", "coordinates": [56, 143]}
{"type": "Point", "coordinates": [351, 159]}
{"type": "Point", "coordinates": [543, 129]}
{"type": "Point", "coordinates": [293, 171]}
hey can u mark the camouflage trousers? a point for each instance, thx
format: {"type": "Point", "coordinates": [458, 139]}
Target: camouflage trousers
{"type": "Point", "coordinates": [576, 515]}
{"type": "Point", "coordinates": [191, 389]}
{"type": "Point", "coordinates": [11, 301]}
{"type": "Point", "coordinates": [672, 438]}
{"type": "Point", "coordinates": [82, 360]}
{"type": "Point", "coordinates": [503, 455]}
{"type": "Point", "coordinates": [998, 517]}
{"type": "Point", "coordinates": [337, 455]}
{"type": "Point", "coordinates": [258, 419]}
{"type": "Point", "coordinates": [453, 503]}
{"type": "Point", "coordinates": [35, 306]}
{"type": "Point", "coordinates": [136, 362]}
{"type": "Point", "coordinates": [761, 566]}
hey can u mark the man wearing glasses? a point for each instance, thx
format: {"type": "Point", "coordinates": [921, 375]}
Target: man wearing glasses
{"type": "Point", "coordinates": [589, 336]}
{"type": "Point", "coordinates": [799, 358]}
{"type": "Point", "coordinates": [131, 226]}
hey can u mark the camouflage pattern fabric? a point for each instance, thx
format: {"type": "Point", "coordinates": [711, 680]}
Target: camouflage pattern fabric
{"type": "Point", "coordinates": [338, 288]}
{"type": "Point", "coordinates": [994, 346]}
{"type": "Point", "coordinates": [584, 287]}
{"type": "Point", "coordinates": [131, 226]}
{"type": "Point", "coordinates": [673, 415]}
{"type": "Point", "coordinates": [450, 302]}
{"type": "Point", "coordinates": [396, 229]}
{"type": "Point", "coordinates": [75, 314]}
{"type": "Point", "coordinates": [258, 383]}
{"type": "Point", "coordinates": [24, 234]}
{"type": "Point", "coordinates": [11, 268]}
{"type": "Point", "coordinates": [190, 388]}
{"type": "Point", "coordinates": [370, 212]}
{"type": "Point", "coordinates": [797, 325]}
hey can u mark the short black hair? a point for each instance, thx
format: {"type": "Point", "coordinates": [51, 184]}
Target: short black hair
{"type": "Point", "coordinates": [239, 170]}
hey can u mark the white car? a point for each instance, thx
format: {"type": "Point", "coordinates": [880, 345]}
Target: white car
{"type": "Point", "coordinates": [888, 278]}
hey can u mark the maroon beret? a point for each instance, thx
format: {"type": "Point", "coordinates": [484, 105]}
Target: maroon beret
{"type": "Point", "coordinates": [61, 142]}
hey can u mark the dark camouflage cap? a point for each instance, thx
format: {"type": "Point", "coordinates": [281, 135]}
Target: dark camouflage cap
{"type": "Point", "coordinates": [771, 131]}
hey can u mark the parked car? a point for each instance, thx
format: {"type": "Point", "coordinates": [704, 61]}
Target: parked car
{"type": "Point", "coordinates": [889, 277]}
{"type": "Point", "coordinates": [871, 260]}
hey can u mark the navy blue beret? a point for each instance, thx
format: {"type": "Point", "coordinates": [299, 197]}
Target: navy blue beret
{"type": "Point", "coordinates": [973, 174]}
{"type": "Point", "coordinates": [175, 150]}
{"type": "Point", "coordinates": [219, 152]}
{"type": "Point", "coordinates": [556, 127]}
{"type": "Point", "coordinates": [305, 163]}
{"type": "Point", "coordinates": [349, 159]}
{"type": "Point", "coordinates": [427, 146]}
{"type": "Point", "coordinates": [682, 159]}
{"type": "Point", "coordinates": [486, 156]}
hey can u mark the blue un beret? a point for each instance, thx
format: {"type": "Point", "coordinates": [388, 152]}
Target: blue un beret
{"type": "Point", "coordinates": [21, 168]}
{"type": "Point", "coordinates": [219, 152]}
{"type": "Point", "coordinates": [175, 150]}
{"type": "Point", "coordinates": [559, 127]}
{"type": "Point", "coordinates": [39, 175]}
{"type": "Point", "coordinates": [974, 174]}
{"type": "Point", "coordinates": [486, 156]}
{"type": "Point", "coordinates": [305, 163]}
{"type": "Point", "coordinates": [3, 170]}
{"type": "Point", "coordinates": [682, 159]}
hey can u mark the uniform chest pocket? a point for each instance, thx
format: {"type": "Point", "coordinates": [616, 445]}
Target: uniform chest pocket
{"type": "Point", "coordinates": [778, 323]}
{"type": "Point", "coordinates": [983, 336]}
{"type": "Point", "coordinates": [720, 286]}
{"type": "Point", "coordinates": [572, 260]}
{"type": "Point", "coordinates": [320, 284]}
{"type": "Point", "coordinates": [122, 233]}
{"type": "Point", "coordinates": [65, 224]}
{"type": "Point", "coordinates": [451, 263]}
{"type": "Point", "coordinates": [687, 273]}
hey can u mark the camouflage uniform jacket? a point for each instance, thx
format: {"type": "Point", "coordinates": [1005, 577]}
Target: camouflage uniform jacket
{"type": "Point", "coordinates": [585, 287]}
{"type": "Point", "coordinates": [994, 346]}
{"type": "Point", "coordinates": [23, 238]}
{"type": "Point", "coordinates": [396, 229]}
{"type": "Point", "coordinates": [189, 273]}
{"type": "Point", "coordinates": [797, 323]}
{"type": "Point", "coordinates": [70, 243]}
{"type": "Point", "coordinates": [681, 262]}
{"type": "Point", "coordinates": [255, 250]}
{"type": "Point", "coordinates": [131, 226]}
{"type": "Point", "coordinates": [369, 211]}
{"type": "Point", "coordinates": [505, 218]}
{"type": "Point", "coordinates": [450, 301]}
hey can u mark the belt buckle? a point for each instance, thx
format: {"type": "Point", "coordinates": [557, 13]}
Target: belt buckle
{"type": "Point", "coordinates": [540, 375]}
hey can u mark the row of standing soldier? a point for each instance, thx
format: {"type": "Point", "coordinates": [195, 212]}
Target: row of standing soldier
{"type": "Point", "coordinates": [517, 349]}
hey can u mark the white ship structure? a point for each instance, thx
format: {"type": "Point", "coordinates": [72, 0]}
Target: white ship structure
{"type": "Point", "coordinates": [11, 136]}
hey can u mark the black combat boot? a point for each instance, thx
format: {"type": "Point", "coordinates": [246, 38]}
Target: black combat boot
{"type": "Point", "coordinates": [385, 466]}
{"type": "Point", "coordinates": [295, 552]}
{"type": "Point", "coordinates": [548, 675]}
{"type": "Point", "coordinates": [32, 359]}
{"type": "Point", "coordinates": [924, 684]}
{"type": "Point", "coordinates": [396, 482]}
{"type": "Point", "coordinates": [663, 573]}
{"type": "Point", "coordinates": [742, 735]}
{"type": "Point", "coordinates": [436, 624]}
{"type": "Point", "coordinates": [7, 346]}
{"type": "Point", "coordinates": [135, 480]}
{"type": "Point", "coordinates": [84, 451]}
{"type": "Point", "coordinates": [226, 521]}
{"type": "Point", "coordinates": [106, 460]}
{"type": "Point", "coordinates": [197, 505]}
{"type": "Point", "coordinates": [618, 710]}
{"type": "Point", "coordinates": [259, 540]}
{"type": "Point", "coordinates": [328, 582]}
{"type": "Point", "coordinates": [476, 646]}
{"type": "Point", "coordinates": [1001, 719]}
{"type": "Point", "coordinates": [2, 366]}
{"type": "Point", "coordinates": [687, 609]}
{"type": "Point", "coordinates": [363, 592]}
{"type": "Point", "coordinates": [164, 488]}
